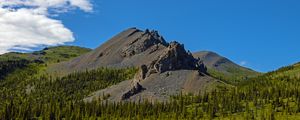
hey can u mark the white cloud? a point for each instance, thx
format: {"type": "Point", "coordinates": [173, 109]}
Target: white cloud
{"type": "Point", "coordinates": [49, 4]}
{"type": "Point", "coordinates": [243, 63]}
{"type": "Point", "coordinates": [83, 4]}
{"type": "Point", "coordinates": [24, 24]}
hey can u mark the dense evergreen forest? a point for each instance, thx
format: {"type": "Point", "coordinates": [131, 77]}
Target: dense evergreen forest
{"type": "Point", "coordinates": [26, 92]}
{"type": "Point", "coordinates": [45, 97]}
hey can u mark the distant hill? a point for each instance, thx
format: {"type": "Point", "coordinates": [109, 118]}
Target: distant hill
{"type": "Point", "coordinates": [9, 62]}
{"type": "Point", "coordinates": [48, 55]}
{"type": "Point", "coordinates": [223, 68]}
{"type": "Point", "coordinates": [292, 71]}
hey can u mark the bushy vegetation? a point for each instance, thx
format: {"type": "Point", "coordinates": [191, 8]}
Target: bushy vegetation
{"type": "Point", "coordinates": [234, 77]}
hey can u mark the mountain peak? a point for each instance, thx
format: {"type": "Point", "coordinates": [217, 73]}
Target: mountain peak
{"type": "Point", "coordinates": [142, 42]}
{"type": "Point", "coordinates": [133, 48]}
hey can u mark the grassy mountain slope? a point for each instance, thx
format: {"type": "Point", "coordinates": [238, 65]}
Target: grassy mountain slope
{"type": "Point", "coordinates": [10, 62]}
{"type": "Point", "coordinates": [47, 55]}
{"type": "Point", "coordinates": [223, 68]}
{"type": "Point", "coordinates": [60, 53]}
{"type": "Point", "coordinates": [289, 71]}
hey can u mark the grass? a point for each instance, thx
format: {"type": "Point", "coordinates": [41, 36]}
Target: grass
{"type": "Point", "coordinates": [235, 77]}
{"type": "Point", "coordinates": [47, 55]}
{"type": "Point", "coordinates": [61, 53]}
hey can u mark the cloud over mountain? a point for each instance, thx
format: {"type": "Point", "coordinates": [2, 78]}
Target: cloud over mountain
{"type": "Point", "coordinates": [25, 24]}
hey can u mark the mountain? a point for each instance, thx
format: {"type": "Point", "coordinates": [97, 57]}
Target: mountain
{"type": "Point", "coordinates": [223, 68]}
{"type": "Point", "coordinates": [164, 68]}
{"type": "Point", "coordinates": [172, 72]}
{"type": "Point", "coordinates": [137, 73]}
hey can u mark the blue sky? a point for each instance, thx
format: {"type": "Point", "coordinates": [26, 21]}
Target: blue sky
{"type": "Point", "coordinates": [261, 34]}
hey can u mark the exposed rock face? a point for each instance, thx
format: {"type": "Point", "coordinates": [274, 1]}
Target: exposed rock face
{"type": "Point", "coordinates": [173, 58]}
{"type": "Point", "coordinates": [142, 43]}
{"type": "Point", "coordinates": [200, 64]}
{"type": "Point", "coordinates": [136, 89]}
{"type": "Point", "coordinates": [143, 70]}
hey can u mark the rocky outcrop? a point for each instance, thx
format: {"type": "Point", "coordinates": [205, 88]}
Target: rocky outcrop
{"type": "Point", "coordinates": [201, 66]}
{"type": "Point", "coordinates": [143, 70]}
{"type": "Point", "coordinates": [174, 57]}
{"type": "Point", "coordinates": [136, 89]}
{"type": "Point", "coordinates": [142, 43]}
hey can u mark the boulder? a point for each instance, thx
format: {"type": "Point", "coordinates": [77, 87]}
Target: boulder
{"type": "Point", "coordinates": [135, 90]}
